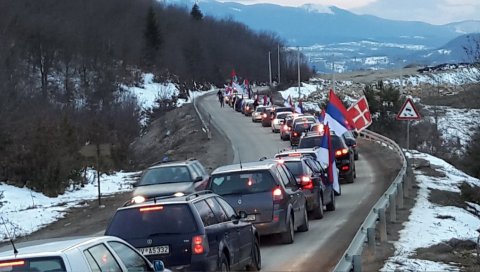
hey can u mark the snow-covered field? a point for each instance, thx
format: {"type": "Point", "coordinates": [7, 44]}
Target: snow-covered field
{"type": "Point", "coordinates": [425, 226]}
{"type": "Point", "coordinates": [24, 211]}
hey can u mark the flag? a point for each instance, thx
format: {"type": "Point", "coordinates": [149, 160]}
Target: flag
{"type": "Point", "coordinates": [234, 76]}
{"type": "Point", "coordinates": [337, 116]}
{"type": "Point", "coordinates": [321, 117]}
{"type": "Point", "coordinates": [327, 156]}
{"type": "Point", "coordinates": [239, 88]}
{"type": "Point", "coordinates": [360, 114]}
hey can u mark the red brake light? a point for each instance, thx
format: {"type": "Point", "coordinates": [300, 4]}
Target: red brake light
{"type": "Point", "coordinates": [277, 194]}
{"type": "Point", "coordinates": [345, 168]}
{"type": "Point", "coordinates": [199, 244]}
{"type": "Point", "coordinates": [341, 152]}
{"type": "Point", "coordinates": [264, 115]}
{"type": "Point", "coordinates": [149, 209]}
{"type": "Point", "coordinates": [12, 263]}
{"type": "Point", "coordinates": [285, 127]}
{"type": "Point", "coordinates": [344, 151]}
{"type": "Point", "coordinates": [295, 134]}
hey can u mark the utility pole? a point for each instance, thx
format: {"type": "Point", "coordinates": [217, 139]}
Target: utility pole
{"type": "Point", "coordinates": [298, 69]}
{"type": "Point", "coordinates": [270, 67]}
{"type": "Point", "coordinates": [278, 63]}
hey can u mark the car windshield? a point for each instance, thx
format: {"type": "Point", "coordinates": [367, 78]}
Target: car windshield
{"type": "Point", "coordinates": [295, 167]}
{"type": "Point", "coordinates": [246, 182]}
{"type": "Point", "coordinates": [40, 264]}
{"type": "Point", "coordinates": [152, 221]}
{"type": "Point", "coordinates": [167, 174]}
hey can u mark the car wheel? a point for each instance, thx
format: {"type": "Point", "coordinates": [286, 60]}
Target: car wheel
{"type": "Point", "coordinates": [355, 156]}
{"type": "Point", "coordinates": [256, 263]}
{"type": "Point", "coordinates": [318, 212]}
{"type": "Point", "coordinates": [304, 226]}
{"type": "Point", "coordinates": [288, 236]}
{"type": "Point", "coordinates": [331, 205]}
{"type": "Point", "coordinates": [223, 264]}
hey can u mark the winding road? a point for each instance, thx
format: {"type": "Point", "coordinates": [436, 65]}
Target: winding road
{"type": "Point", "coordinates": [320, 248]}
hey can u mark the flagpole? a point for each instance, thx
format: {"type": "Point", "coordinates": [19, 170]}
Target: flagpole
{"type": "Point", "coordinates": [270, 68]}
{"type": "Point", "coordinates": [298, 68]}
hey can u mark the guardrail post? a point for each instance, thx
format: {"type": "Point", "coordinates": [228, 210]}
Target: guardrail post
{"type": "Point", "coordinates": [382, 225]}
{"type": "Point", "coordinates": [392, 206]}
{"type": "Point", "coordinates": [371, 240]}
{"type": "Point", "coordinates": [406, 187]}
{"type": "Point", "coordinates": [357, 263]}
{"type": "Point", "coordinates": [400, 195]}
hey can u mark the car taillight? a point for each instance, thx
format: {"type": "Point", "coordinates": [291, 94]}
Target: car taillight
{"type": "Point", "coordinates": [345, 168]}
{"type": "Point", "coordinates": [199, 244]}
{"type": "Point", "coordinates": [285, 127]}
{"type": "Point", "coordinates": [152, 208]}
{"type": "Point", "coordinates": [264, 115]}
{"type": "Point", "coordinates": [12, 263]}
{"type": "Point", "coordinates": [306, 182]}
{"type": "Point", "coordinates": [295, 134]}
{"type": "Point", "coordinates": [277, 194]}
{"type": "Point", "coordinates": [341, 152]}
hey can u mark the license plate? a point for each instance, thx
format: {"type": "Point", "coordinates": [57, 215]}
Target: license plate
{"type": "Point", "coordinates": [250, 217]}
{"type": "Point", "coordinates": [158, 250]}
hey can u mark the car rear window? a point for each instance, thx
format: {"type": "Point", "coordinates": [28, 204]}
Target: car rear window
{"type": "Point", "coordinates": [41, 264]}
{"type": "Point", "coordinates": [309, 142]}
{"type": "Point", "coordinates": [302, 127]}
{"type": "Point", "coordinates": [245, 182]}
{"type": "Point", "coordinates": [152, 220]}
{"type": "Point", "coordinates": [167, 174]}
{"type": "Point", "coordinates": [283, 109]}
{"type": "Point", "coordinates": [295, 167]}
{"type": "Point", "coordinates": [282, 115]}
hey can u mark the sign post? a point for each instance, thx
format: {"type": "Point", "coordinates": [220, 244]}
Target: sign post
{"type": "Point", "coordinates": [97, 151]}
{"type": "Point", "coordinates": [408, 112]}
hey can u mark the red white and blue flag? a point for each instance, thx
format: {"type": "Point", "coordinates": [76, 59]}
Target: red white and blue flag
{"type": "Point", "coordinates": [234, 76]}
{"type": "Point", "coordinates": [337, 116]}
{"type": "Point", "coordinates": [327, 157]}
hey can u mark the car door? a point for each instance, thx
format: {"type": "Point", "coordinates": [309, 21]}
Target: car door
{"type": "Point", "coordinates": [327, 188]}
{"type": "Point", "coordinates": [231, 235]}
{"type": "Point", "coordinates": [244, 229]}
{"type": "Point", "coordinates": [213, 230]}
{"type": "Point", "coordinates": [294, 192]}
{"type": "Point", "coordinates": [130, 258]}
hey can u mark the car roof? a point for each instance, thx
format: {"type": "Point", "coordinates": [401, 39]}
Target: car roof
{"type": "Point", "coordinates": [299, 150]}
{"type": "Point", "coordinates": [49, 247]}
{"type": "Point", "coordinates": [173, 163]}
{"type": "Point", "coordinates": [168, 200]}
{"type": "Point", "coordinates": [249, 166]}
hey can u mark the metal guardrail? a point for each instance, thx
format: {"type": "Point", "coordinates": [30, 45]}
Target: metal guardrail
{"type": "Point", "coordinates": [391, 199]}
{"type": "Point", "coordinates": [204, 123]}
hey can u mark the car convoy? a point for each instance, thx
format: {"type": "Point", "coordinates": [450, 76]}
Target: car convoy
{"type": "Point", "coordinates": [186, 219]}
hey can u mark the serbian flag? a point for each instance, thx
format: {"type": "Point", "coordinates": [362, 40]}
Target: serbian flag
{"type": "Point", "coordinates": [234, 76]}
{"type": "Point", "coordinates": [321, 117]}
{"type": "Point", "coordinates": [337, 116]}
{"type": "Point", "coordinates": [327, 157]}
{"type": "Point", "coordinates": [360, 114]}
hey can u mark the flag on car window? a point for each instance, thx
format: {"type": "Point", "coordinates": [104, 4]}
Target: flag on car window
{"type": "Point", "coordinates": [327, 156]}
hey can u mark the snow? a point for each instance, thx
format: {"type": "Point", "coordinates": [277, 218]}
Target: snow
{"type": "Point", "coordinates": [424, 227]}
{"type": "Point", "coordinates": [457, 77]}
{"type": "Point", "coordinates": [305, 91]}
{"type": "Point", "coordinates": [25, 211]}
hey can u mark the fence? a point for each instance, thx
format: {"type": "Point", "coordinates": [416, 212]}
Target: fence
{"type": "Point", "coordinates": [376, 219]}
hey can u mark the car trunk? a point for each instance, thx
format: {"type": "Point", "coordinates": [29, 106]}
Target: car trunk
{"type": "Point", "coordinates": [258, 204]}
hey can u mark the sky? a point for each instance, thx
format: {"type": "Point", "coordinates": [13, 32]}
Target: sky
{"type": "Point", "coordinates": [430, 11]}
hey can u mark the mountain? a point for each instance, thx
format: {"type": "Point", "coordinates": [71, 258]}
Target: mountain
{"type": "Point", "coordinates": [452, 52]}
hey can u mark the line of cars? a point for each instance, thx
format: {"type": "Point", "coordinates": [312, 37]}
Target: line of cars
{"type": "Point", "coordinates": [184, 218]}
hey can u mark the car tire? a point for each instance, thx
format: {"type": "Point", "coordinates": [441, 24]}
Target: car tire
{"type": "Point", "coordinates": [355, 156]}
{"type": "Point", "coordinates": [318, 212]}
{"type": "Point", "coordinates": [256, 263]}
{"type": "Point", "coordinates": [223, 264]}
{"type": "Point", "coordinates": [288, 236]}
{"type": "Point", "coordinates": [331, 205]}
{"type": "Point", "coordinates": [304, 226]}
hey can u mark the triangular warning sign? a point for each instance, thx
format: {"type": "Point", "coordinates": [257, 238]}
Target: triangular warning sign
{"type": "Point", "coordinates": [408, 111]}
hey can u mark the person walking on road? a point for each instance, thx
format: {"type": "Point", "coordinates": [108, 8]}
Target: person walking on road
{"type": "Point", "coordinates": [221, 98]}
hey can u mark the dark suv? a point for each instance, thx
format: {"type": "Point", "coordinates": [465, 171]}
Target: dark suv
{"type": "Point", "coordinates": [311, 175]}
{"type": "Point", "coordinates": [351, 141]}
{"type": "Point", "coordinates": [298, 130]}
{"type": "Point", "coordinates": [344, 157]}
{"type": "Point", "coordinates": [268, 192]}
{"type": "Point", "coordinates": [171, 177]}
{"type": "Point", "coordinates": [198, 232]}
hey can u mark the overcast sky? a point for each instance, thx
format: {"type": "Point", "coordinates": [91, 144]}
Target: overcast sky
{"type": "Point", "coordinates": [430, 11]}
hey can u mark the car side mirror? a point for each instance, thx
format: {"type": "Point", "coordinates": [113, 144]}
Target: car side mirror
{"type": "Point", "coordinates": [158, 266]}
{"type": "Point", "coordinates": [135, 184]}
{"type": "Point", "coordinates": [198, 179]}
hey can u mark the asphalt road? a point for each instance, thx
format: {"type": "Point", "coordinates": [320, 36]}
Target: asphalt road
{"type": "Point", "coordinates": [320, 248]}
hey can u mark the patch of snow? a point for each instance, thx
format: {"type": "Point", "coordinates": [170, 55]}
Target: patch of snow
{"type": "Point", "coordinates": [316, 8]}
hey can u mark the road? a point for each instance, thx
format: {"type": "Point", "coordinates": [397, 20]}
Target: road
{"type": "Point", "coordinates": [320, 248]}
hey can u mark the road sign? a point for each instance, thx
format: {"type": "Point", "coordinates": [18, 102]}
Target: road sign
{"type": "Point", "coordinates": [408, 111]}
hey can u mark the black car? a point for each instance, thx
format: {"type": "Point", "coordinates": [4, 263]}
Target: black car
{"type": "Point", "coordinates": [169, 178]}
{"type": "Point", "coordinates": [198, 232]}
{"type": "Point", "coordinates": [314, 181]}
{"type": "Point", "coordinates": [351, 141]}
{"type": "Point", "coordinates": [268, 192]}
{"type": "Point", "coordinates": [286, 128]}
{"type": "Point", "coordinates": [298, 130]}
{"type": "Point", "coordinates": [344, 157]}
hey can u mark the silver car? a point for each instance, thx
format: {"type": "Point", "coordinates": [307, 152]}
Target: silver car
{"type": "Point", "coordinates": [105, 253]}
{"type": "Point", "coordinates": [257, 114]}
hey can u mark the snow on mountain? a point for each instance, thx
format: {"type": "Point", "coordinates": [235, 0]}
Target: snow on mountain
{"type": "Point", "coordinates": [429, 223]}
{"type": "Point", "coordinates": [317, 8]}
{"type": "Point", "coordinates": [460, 75]}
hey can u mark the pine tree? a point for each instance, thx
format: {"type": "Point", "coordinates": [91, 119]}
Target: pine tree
{"type": "Point", "coordinates": [152, 37]}
{"type": "Point", "coordinates": [196, 13]}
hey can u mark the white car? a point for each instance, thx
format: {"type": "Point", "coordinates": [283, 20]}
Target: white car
{"type": "Point", "coordinates": [277, 122]}
{"type": "Point", "coordinates": [105, 253]}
